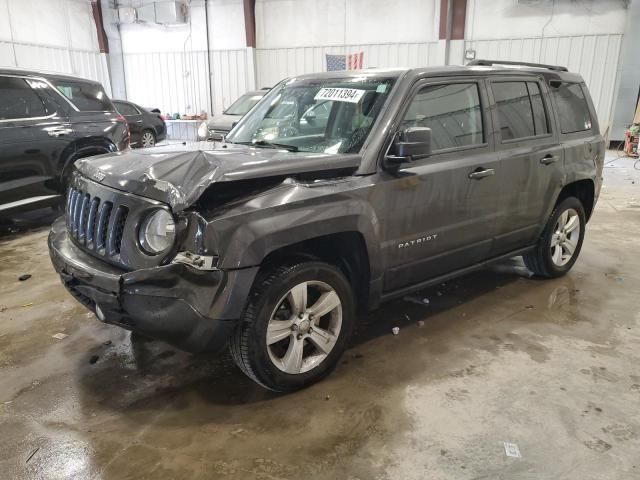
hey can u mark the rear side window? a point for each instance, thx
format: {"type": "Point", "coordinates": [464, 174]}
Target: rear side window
{"type": "Point", "coordinates": [126, 108]}
{"type": "Point", "coordinates": [87, 97]}
{"type": "Point", "coordinates": [521, 111]}
{"type": "Point", "coordinates": [540, 121]}
{"type": "Point", "coordinates": [19, 100]}
{"type": "Point", "coordinates": [452, 112]}
{"type": "Point", "coordinates": [573, 109]}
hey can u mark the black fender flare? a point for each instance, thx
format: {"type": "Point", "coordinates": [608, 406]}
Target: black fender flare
{"type": "Point", "coordinates": [252, 241]}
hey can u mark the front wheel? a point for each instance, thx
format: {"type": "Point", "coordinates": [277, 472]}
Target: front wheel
{"type": "Point", "coordinates": [561, 241]}
{"type": "Point", "coordinates": [295, 327]}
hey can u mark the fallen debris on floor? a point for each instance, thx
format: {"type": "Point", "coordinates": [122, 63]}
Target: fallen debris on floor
{"type": "Point", "coordinates": [24, 277]}
{"type": "Point", "coordinates": [93, 359]}
{"type": "Point", "coordinates": [395, 330]}
{"type": "Point", "coordinates": [60, 336]}
{"type": "Point", "coordinates": [419, 301]}
{"type": "Point", "coordinates": [512, 450]}
{"type": "Point", "coordinates": [35, 450]}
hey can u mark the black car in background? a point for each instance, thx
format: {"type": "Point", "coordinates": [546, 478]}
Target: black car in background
{"type": "Point", "coordinates": [47, 122]}
{"type": "Point", "coordinates": [146, 127]}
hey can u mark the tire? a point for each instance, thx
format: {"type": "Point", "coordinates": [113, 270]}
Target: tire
{"type": "Point", "coordinates": [273, 299]}
{"type": "Point", "coordinates": [147, 139]}
{"type": "Point", "coordinates": [545, 261]}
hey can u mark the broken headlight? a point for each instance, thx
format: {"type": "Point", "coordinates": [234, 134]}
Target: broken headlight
{"type": "Point", "coordinates": [157, 233]}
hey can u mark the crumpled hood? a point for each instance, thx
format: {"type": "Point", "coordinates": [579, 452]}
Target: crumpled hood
{"type": "Point", "coordinates": [179, 177]}
{"type": "Point", "coordinates": [222, 122]}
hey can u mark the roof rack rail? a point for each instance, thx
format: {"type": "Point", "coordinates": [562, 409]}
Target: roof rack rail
{"type": "Point", "coordinates": [489, 63]}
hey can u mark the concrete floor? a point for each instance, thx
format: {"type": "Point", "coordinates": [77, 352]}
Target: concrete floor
{"type": "Point", "coordinates": [553, 366]}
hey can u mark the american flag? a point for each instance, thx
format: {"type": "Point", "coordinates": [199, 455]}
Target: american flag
{"type": "Point", "coordinates": [352, 61]}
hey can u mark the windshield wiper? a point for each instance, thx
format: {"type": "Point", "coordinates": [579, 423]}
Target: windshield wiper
{"type": "Point", "coordinates": [264, 143]}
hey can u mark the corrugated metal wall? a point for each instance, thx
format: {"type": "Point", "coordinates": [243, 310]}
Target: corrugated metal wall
{"type": "Point", "coordinates": [274, 64]}
{"type": "Point", "coordinates": [595, 57]}
{"type": "Point", "coordinates": [81, 63]}
{"type": "Point", "coordinates": [178, 82]}
{"type": "Point", "coordinates": [175, 82]}
{"type": "Point", "coordinates": [232, 76]}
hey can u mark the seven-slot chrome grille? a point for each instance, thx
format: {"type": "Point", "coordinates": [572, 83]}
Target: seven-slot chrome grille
{"type": "Point", "coordinates": [96, 224]}
{"type": "Point", "coordinates": [104, 221]}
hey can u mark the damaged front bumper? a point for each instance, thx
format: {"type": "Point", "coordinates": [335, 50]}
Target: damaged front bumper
{"type": "Point", "coordinates": [195, 310]}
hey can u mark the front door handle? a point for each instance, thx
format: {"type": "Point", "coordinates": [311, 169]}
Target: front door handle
{"type": "Point", "coordinates": [480, 173]}
{"type": "Point", "coordinates": [548, 159]}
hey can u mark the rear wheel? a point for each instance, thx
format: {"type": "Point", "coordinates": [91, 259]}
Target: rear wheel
{"type": "Point", "coordinates": [148, 139]}
{"type": "Point", "coordinates": [295, 327]}
{"type": "Point", "coordinates": [561, 241]}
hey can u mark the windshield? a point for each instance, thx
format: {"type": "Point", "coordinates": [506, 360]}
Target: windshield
{"type": "Point", "coordinates": [320, 115]}
{"type": "Point", "coordinates": [243, 104]}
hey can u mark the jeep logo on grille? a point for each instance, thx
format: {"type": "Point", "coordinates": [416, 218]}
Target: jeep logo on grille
{"type": "Point", "coordinates": [98, 176]}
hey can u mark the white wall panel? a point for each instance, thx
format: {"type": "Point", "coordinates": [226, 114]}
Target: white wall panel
{"type": "Point", "coordinates": [274, 64]}
{"type": "Point", "coordinates": [177, 82]}
{"type": "Point", "coordinates": [595, 57]}
{"type": "Point", "coordinates": [80, 63]}
{"type": "Point", "coordinates": [231, 76]}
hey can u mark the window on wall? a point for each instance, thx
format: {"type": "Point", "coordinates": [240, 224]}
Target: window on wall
{"type": "Point", "coordinates": [19, 100]}
{"type": "Point", "coordinates": [573, 109]}
{"type": "Point", "coordinates": [452, 112]}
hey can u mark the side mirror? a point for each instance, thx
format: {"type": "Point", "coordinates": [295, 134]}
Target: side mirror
{"type": "Point", "coordinates": [411, 144]}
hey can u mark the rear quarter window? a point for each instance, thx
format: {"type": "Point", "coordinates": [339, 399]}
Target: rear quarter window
{"type": "Point", "coordinates": [87, 97]}
{"type": "Point", "coordinates": [573, 110]}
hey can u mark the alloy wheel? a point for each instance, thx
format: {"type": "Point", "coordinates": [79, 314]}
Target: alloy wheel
{"type": "Point", "coordinates": [148, 140]}
{"type": "Point", "coordinates": [564, 240]}
{"type": "Point", "coordinates": [304, 327]}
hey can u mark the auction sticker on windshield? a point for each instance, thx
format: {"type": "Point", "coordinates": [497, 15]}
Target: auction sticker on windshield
{"type": "Point", "coordinates": [351, 95]}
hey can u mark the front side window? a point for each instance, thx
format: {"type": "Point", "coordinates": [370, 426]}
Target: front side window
{"type": "Point", "coordinates": [19, 98]}
{"type": "Point", "coordinates": [87, 97]}
{"type": "Point", "coordinates": [573, 109]}
{"type": "Point", "coordinates": [126, 109]}
{"type": "Point", "coordinates": [452, 112]}
{"type": "Point", "coordinates": [243, 104]}
{"type": "Point", "coordinates": [316, 115]}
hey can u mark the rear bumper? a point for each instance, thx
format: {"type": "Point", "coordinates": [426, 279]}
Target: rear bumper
{"type": "Point", "coordinates": [161, 133]}
{"type": "Point", "coordinates": [192, 309]}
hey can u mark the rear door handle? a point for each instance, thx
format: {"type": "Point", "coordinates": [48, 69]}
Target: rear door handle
{"type": "Point", "coordinates": [479, 174]}
{"type": "Point", "coordinates": [59, 132]}
{"type": "Point", "coordinates": [548, 159]}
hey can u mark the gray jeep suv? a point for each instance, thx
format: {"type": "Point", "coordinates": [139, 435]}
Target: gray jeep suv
{"type": "Point", "coordinates": [271, 241]}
